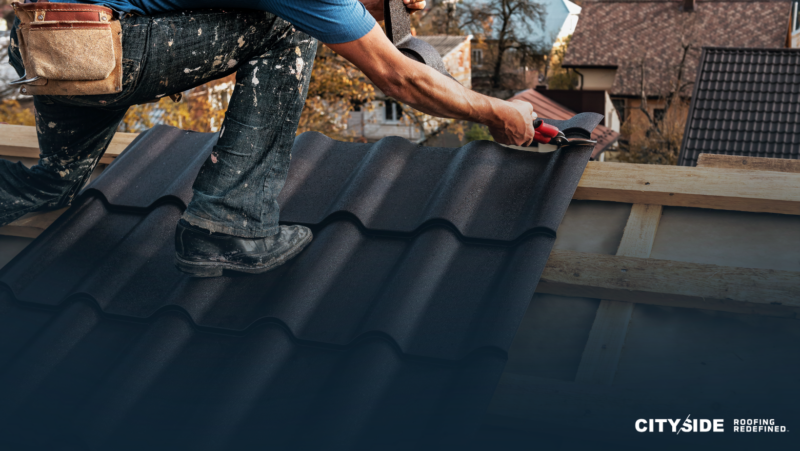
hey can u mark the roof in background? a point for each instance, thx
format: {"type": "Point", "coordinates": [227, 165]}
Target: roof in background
{"type": "Point", "coordinates": [746, 103]}
{"type": "Point", "coordinates": [390, 331]}
{"type": "Point", "coordinates": [622, 33]}
{"type": "Point", "coordinates": [547, 108]}
{"type": "Point", "coordinates": [445, 44]}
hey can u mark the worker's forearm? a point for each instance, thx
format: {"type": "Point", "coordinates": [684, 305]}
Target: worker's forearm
{"type": "Point", "coordinates": [431, 92]}
{"type": "Point", "coordinates": [428, 91]}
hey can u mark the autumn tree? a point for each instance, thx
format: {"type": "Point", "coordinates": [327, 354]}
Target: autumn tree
{"type": "Point", "coordinates": [507, 27]}
{"type": "Point", "coordinates": [557, 76]}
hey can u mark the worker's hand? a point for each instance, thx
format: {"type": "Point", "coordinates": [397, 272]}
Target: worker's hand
{"type": "Point", "coordinates": [375, 7]}
{"type": "Point", "coordinates": [517, 124]}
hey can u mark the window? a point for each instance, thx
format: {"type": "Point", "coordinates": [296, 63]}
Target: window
{"type": "Point", "coordinates": [477, 57]}
{"type": "Point", "coordinates": [658, 114]}
{"type": "Point", "coordinates": [392, 111]}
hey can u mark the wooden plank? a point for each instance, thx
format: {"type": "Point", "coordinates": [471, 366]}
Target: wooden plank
{"type": "Point", "coordinates": [672, 283]}
{"type": "Point", "coordinates": [731, 189]}
{"type": "Point", "coordinates": [640, 231]}
{"type": "Point", "coordinates": [20, 141]}
{"type": "Point", "coordinates": [607, 337]}
{"type": "Point", "coordinates": [31, 225]}
{"type": "Point", "coordinates": [708, 160]}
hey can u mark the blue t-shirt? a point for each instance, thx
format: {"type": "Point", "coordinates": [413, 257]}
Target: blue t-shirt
{"type": "Point", "coordinates": [330, 21]}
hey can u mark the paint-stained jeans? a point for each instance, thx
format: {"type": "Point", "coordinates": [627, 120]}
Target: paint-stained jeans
{"type": "Point", "coordinates": [236, 190]}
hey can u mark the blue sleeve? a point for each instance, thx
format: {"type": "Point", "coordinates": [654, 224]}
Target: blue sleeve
{"type": "Point", "coordinates": [330, 21]}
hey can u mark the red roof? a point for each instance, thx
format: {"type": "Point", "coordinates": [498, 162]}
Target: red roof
{"type": "Point", "coordinates": [547, 108]}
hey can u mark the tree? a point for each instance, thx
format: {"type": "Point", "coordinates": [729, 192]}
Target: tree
{"type": "Point", "coordinates": [336, 88]}
{"type": "Point", "coordinates": [655, 136]}
{"type": "Point", "coordinates": [558, 77]}
{"type": "Point", "coordinates": [506, 26]}
{"type": "Point", "coordinates": [440, 17]}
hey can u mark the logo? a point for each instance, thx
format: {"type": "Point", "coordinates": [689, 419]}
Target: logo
{"type": "Point", "coordinates": [692, 425]}
{"type": "Point", "coordinates": [680, 425]}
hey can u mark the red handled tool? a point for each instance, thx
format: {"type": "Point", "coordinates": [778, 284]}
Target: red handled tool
{"type": "Point", "coordinates": [548, 134]}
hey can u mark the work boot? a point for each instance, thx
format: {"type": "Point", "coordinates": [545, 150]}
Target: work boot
{"type": "Point", "coordinates": [204, 254]}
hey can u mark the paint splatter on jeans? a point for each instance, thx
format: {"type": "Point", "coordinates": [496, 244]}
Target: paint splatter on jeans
{"type": "Point", "coordinates": [237, 187]}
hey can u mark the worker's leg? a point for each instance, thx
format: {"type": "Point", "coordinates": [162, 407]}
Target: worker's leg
{"type": "Point", "coordinates": [232, 220]}
{"type": "Point", "coordinates": [71, 142]}
{"type": "Point", "coordinates": [72, 138]}
{"type": "Point", "coordinates": [237, 188]}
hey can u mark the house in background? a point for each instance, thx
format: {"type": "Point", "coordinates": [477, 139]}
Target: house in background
{"type": "Point", "coordinates": [632, 46]}
{"type": "Point", "coordinates": [385, 117]}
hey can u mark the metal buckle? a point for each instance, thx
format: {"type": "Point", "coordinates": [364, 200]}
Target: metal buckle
{"type": "Point", "coordinates": [24, 80]}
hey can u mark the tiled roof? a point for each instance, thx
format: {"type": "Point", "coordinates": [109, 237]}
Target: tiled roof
{"type": "Point", "coordinates": [746, 103]}
{"type": "Point", "coordinates": [390, 331]}
{"type": "Point", "coordinates": [622, 33]}
{"type": "Point", "coordinates": [444, 44]}
{"type": "Point", "coordinates": [547, 108]}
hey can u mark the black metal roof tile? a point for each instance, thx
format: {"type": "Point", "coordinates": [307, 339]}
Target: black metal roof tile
{"type": "Point", "coordinates": [424, 290]}
{"type": "Point", "coordinates": [769, 95]}
{"type": "Point", "coordinates": [385, 333]}
{"type": "Point", "coordinates": [485, 190]}
{"type": "Point", "coordinates": [84, 381]}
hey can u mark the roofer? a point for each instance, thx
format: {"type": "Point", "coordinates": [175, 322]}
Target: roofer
{"type": "Point", "coordinates": [169, 46]}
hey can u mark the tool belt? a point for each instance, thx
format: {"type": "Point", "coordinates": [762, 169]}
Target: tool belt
{"type": "Point", "coordinates": [69, 49]}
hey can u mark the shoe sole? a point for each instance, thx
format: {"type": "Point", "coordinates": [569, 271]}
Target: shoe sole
{"type": "Point", "coordinates": [215, 269]}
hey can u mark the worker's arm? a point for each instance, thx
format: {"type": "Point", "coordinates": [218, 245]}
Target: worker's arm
{"type": "Point", "coordinates": [429, 91]}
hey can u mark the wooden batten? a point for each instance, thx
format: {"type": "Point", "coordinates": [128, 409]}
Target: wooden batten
{"type": "Point", "coordinates": [677, 186]}
{"type": "Point", "coordinates": [20, 141]}
{"type": "Point", "coordinates": [708, 160]}
{"type": "Point", "coordinates": [607, 337]}
{"type": "Point", "coordinates": [672, 283]}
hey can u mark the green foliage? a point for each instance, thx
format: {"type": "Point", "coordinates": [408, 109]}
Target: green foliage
{"type": "Point", "coordinates": [558, 77]}
{"type": "Point", "coordinates": [478, 132]}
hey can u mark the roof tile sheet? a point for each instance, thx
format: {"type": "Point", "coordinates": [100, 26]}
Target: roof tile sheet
{"type": "Point", "coordinates": [77, 379]}
{"type": "Point", "coordinates": [548, 108]}
{"type": "Point", "coordinates": [746, 103]}
{"type": "Point", "coordinates": [390, 331]}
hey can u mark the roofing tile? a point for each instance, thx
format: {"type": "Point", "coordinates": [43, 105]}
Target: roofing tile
{"type": "Point", "coordinates": [85, 381]}
{"type": "Point", "coordinates": [390, 331]}
{"type": "Point", "coordinates": [769, 107]}
{"type": "Point", "coordinates": [622, 33]}
{"type": "Point", "coordinates": [454, 282]}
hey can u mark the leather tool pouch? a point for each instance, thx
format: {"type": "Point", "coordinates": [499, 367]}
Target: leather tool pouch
{"type": "Point", "coordinates": [69, 49]}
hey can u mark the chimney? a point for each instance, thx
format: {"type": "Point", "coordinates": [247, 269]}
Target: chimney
{"type": "Point", "coordinates": [688, 5]}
